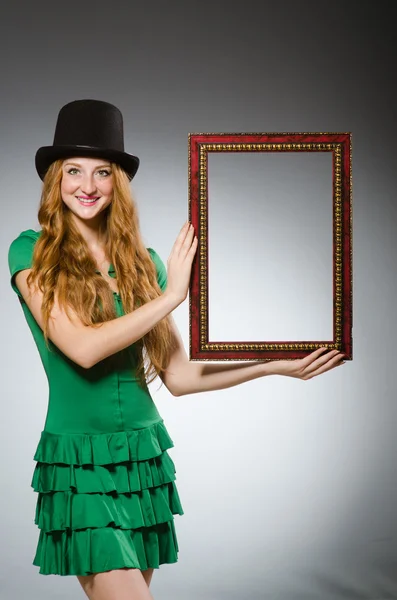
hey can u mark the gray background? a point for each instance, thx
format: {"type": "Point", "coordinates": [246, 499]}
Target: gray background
{"type": "Point", "coordinates": [273, 213]}
{"type": "Point", "coordinates": [289, 487]}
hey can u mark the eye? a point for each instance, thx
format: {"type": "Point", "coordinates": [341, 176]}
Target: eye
{"type": "Point", "coordinates": [72, 169]}
{"type": "Point", "coordinates": [106, 171]}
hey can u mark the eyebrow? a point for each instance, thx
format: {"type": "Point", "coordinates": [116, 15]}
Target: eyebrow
{"type": "Point", "coordinates": [78, 165]}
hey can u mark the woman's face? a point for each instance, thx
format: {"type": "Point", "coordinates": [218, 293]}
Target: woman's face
{"type": "Point", "coordinates": [86, 186]}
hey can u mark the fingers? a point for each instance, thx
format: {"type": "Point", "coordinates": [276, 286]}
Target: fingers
{"type": "Point", "coordinates": [193, 247]}
{"type": "Point", "coordinates": [181, 236]}
{"type": "Point", "coordinates": [323, 363]}
{"type": "Point", "coordinates": [320, 356]}
{"type": "Point", "coordinates": [324, 368]}
{"type": "Point", "coordinates": [187, 242]}
{"type": "Point", "coordinates": [313, 356]}
{"type": "Point", "coordinates": [184, 239]}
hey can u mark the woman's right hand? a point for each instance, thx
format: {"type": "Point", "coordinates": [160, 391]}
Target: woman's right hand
{"type": "Point", "coordinates": [179, 263]}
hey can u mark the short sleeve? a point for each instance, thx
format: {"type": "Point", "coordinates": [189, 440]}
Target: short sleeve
{"type": "Point", "coordinates": [20, 254]}
{"type": "Point", "coordinates": [161, 269]}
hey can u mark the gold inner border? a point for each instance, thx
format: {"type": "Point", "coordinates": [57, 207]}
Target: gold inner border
{"type": "Point", "coordinates": [336, 149]}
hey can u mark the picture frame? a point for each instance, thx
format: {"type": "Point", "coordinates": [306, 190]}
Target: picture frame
{"type": "Point", "coordinates": [201, 146]}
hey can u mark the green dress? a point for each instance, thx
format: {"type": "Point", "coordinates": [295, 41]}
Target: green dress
{"type": "Point", "coordinates": [106, 484]}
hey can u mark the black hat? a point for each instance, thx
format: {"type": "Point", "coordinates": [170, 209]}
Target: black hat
{"type": "Point", "coordinates": [91, 128]}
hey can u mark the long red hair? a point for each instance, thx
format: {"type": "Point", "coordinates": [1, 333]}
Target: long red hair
{"type": "Point", "coordinates": [64, 268]}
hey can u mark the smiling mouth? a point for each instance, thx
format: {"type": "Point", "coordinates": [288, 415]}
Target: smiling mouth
{"type": "Point", "coordinates": [87, 201]}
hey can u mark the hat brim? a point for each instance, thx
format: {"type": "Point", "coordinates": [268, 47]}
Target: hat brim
{"type": "Point", "coordinates": [47, 154]}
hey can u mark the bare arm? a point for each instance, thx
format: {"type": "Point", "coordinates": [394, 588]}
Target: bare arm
{"type": "Point", "coordinates": [119, 333]}
{"type": "Point", "coordinates": [185, 377]}
{"type": "Point", "coordinates": [87, 345]}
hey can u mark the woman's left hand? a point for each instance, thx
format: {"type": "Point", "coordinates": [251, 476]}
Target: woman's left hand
{"type": "Point", "coordinates": [310, 366]}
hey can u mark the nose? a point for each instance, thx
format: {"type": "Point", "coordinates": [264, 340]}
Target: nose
{"type": "Point", "coordinates": [88, 185]}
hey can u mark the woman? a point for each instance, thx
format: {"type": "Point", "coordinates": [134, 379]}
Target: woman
{"type": "Point", "coordinates": [99, 306]}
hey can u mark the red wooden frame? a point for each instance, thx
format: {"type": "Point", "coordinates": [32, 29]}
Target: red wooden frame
{"type": "Point", "coordinates": [200, 144]}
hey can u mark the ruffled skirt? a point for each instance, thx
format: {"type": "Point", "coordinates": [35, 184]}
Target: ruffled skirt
{"type": "Point", "coordinates": [105, 501]}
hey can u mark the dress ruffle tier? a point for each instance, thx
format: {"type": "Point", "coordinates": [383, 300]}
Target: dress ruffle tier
{"type": "Point", "coordinates": [105, 501]}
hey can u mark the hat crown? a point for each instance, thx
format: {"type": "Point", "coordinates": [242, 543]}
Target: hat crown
{"type": "Point", "coordinates": [90, 123]}
{"type": "Point", "coordinates": [91, 128]}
